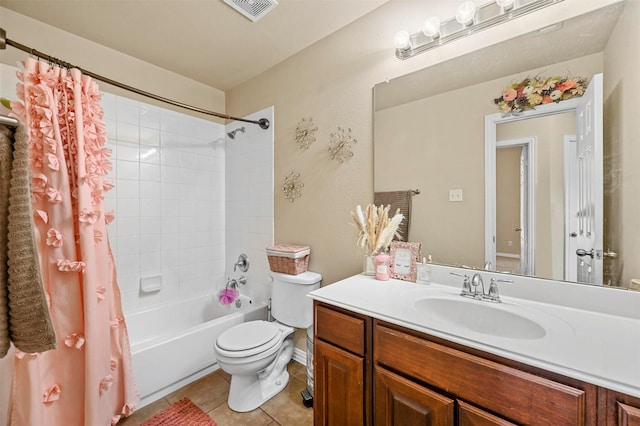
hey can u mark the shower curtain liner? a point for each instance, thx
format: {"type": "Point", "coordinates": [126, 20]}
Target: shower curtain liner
{"type": "Point", "coordinates": [87, 379]}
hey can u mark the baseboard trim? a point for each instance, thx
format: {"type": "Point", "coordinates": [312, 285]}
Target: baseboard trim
{"type": "Point", "coordinates": [513, 256]}
{"type": "Point", "coordinates": [300, 356]}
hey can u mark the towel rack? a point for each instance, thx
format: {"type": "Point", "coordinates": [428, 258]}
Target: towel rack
{"type": "Point", "coordinates": [8, 121]}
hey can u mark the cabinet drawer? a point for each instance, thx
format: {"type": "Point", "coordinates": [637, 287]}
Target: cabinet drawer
{"type": "Point", "coordinates": [340, 329]}
{"type": "Point", "coordinates": [512, 393]}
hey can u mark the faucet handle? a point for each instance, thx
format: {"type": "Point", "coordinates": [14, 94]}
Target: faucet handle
{"type": "Point", "coordinates": [494, 295]}
{"type": "Point", "coordinates": [242, 280]}
{"type": "Point", "coordinates": [466, 284]}
{"type": "Point", "coordinates": [242, 263]}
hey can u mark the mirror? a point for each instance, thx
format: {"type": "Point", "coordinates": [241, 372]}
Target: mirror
{"type": "Point", "coordinates": [429, 134]}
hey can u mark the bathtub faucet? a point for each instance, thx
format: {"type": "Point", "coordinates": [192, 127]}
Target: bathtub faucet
{"type": "Point", "coordinates": [233, 283]}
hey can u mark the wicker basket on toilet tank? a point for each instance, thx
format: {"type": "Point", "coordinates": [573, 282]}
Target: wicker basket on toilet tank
{"type": "Point", "coordinates": [288, 259]}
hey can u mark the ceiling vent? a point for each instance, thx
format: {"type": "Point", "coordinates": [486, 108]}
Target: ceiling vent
{"type": "Point", "coordinates": [253, 9]}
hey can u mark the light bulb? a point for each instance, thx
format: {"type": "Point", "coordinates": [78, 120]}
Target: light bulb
{"type": "Point", "coordinates": [466, 12]}
{"type": "Point", "coordinates": [402, 40]}
{"type": "Point", "coordinates": [431, 27]}
{"type": "Point", "coordinates": [505, 4]}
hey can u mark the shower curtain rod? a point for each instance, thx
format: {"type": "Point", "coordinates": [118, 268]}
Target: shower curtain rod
{"type": "Point", "coordinates": [8, 121]}
{"type": "Point", "coordinates": [4, 41]}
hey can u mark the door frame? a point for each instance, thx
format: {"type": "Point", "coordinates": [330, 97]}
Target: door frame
{"type": "Point", "coordinates": [570, 202]}
{"type": "Point", "coordinates": [527, 201]}
{"type": "Point", "coordinates": [491, 122]}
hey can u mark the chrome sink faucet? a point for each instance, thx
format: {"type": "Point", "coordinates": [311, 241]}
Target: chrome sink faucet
{"type": "Point", "coordinates": [475, 282]}
{"type": "Point", "coordinates": [470, 288]}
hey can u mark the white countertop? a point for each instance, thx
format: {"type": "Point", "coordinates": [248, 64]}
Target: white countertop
{"type": "Point", "coordinates": [595, 346]}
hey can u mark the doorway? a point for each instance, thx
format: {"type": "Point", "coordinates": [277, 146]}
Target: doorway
{"type": "Point", "coordinates": [515, 206]}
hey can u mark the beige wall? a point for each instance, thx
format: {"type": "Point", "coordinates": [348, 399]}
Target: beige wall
{"type": "Point", "coordinates": [508, 199]}
{"type": "Point", "coordinates": [106, 62]}
{"type": "Point", "coordinates": [622, 145]}
{"type": "Point", "coordinates": [332, 82]}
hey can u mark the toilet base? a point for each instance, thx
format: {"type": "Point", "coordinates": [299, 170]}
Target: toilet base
{"type": "Point", "coordinates": [248, 392]}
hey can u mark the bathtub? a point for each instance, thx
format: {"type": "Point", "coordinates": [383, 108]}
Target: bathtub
{"type": "Point", "coordinates": [172, 344]}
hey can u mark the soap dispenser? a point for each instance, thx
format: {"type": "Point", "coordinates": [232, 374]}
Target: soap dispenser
{"type": "Point", "coordinates": [424, 271]}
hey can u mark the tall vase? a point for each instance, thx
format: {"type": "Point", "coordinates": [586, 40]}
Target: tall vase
{"type": "Point", "coordinates": [369, 265]}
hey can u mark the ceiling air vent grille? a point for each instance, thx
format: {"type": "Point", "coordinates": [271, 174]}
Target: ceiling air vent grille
{"type": "Point", "coordinates": [253, 9]}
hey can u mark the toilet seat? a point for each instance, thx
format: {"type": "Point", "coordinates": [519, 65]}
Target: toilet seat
{"type": "Point", "coordinates": [249, 338]}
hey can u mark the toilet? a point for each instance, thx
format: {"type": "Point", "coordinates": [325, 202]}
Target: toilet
{"type": "Point", "coordinates": [256, 353]}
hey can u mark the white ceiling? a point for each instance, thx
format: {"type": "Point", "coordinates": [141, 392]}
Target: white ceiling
{"type": "Point", "coordinates": [205, 40]}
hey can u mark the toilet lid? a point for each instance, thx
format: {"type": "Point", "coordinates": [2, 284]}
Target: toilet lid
{"type": "Point", "coordinates": [249, 335]}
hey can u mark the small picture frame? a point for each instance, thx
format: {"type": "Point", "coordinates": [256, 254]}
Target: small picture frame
{"type": "Point", "coordinates": [403, 259]}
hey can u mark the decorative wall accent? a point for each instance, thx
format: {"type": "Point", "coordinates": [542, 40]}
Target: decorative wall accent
{"type": "Point", "coordinates": [305, 133]}
{"type": "Point", "coordinates": [534, 91]}
{"type": "Point", "coordinates": [340, 144]}
{"type": "Point", "coordinates": [292, 186]}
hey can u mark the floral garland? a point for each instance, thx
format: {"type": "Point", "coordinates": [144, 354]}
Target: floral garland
{"type": "Point", "coordinates": [531, 92]}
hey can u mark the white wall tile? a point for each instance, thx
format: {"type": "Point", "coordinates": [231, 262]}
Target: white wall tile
{"type": "Point", "coordinates": [127, 132]}
{"type": "Point", "coordinates": [129, 170]}
{"type": "Point", "coordinates": [149, 136]}
{"type": "Point", "coordinates": [171, 171]}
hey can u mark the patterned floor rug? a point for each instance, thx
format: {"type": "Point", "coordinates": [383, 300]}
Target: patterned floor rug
{"type": "Point", "coordinates": [182, 413]}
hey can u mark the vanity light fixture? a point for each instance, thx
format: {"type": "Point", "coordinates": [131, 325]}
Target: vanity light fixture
{"type": "Point", "coordinates": [506, 5]}
{"type": "Point", "coordinates": [469, 19]}
{"type": "Point", "coordinates": [402, 40]}
{"type": "Point", "coordinates": [466, 13]}
{"type": "Point", "coordinates": [431, 27]}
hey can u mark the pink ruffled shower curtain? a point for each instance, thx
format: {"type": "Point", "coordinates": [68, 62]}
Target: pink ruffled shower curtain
{"type": "Point", "coordinates": [88, 379]}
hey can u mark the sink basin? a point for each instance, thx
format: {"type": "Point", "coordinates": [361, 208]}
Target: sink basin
{"type": "Point", "coordinates": [481, 317]}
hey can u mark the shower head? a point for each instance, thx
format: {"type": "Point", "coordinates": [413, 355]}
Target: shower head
{"type": "Point", "coordinates": [232, 134]}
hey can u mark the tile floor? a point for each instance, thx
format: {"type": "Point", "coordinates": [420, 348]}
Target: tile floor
{"type": "Point", "coordinates": [210, 394]}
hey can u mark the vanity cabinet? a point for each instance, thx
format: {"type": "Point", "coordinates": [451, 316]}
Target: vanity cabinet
{"type": "Point", "coordinates": [342, 367]}
{"type": "Point", "coordinates": [485, 389]}
{"type": "Point", "coordinates": [370, 372]}
{"type": "Point", "coordinates": [621, 409]}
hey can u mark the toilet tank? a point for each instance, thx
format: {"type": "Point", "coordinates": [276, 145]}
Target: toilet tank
{"type": "Point", "coordinates": [289, 302]}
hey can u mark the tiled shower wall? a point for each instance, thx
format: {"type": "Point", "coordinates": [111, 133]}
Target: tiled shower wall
{"type": "Point", "coordinates": [249, 200]}
{"type": "Point", "coordinates": [184, 209]}
{"type": "Point", "coordinates": [179, 213]}
{"type": "Point", "coordinates": [169, 199]}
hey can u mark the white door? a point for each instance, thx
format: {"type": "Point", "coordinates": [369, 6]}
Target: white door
{"type": "Point", "coordinates": [570, 208]}
{"type": "Point", "coordinates": [526, 267]}
{"type": "Point", "coordinates": [589, 156]}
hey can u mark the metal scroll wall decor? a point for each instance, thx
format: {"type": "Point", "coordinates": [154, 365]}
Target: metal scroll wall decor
{"type": "Point", "coordinates": [305, 133]}
{"type": "Point", "coordinates": [292, 186]}
{"type": "Point", "coordinates": [340, 145]}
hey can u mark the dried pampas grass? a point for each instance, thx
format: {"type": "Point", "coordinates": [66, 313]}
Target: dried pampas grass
{"type": "Point", "coordinates": [376, 229]}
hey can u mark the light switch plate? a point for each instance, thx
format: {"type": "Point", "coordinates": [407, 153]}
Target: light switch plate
{"type": "Point", "coordinates": [455, 195]}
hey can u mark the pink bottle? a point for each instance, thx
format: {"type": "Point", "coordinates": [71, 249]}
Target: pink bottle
{"type": "Point", "coordinates": [382, 267]}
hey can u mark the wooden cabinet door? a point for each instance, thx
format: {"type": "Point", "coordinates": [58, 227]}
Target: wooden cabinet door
{"type": "Point", "coordinates": [338, 386]}
{"type": "Point", "coordinates": [628, 415]}
{"type": "Point", "coordinates": [621, 409]}
{"type": "Point", "coordinates": [400, 402]}
{"type": "Point", "coordinates": [468, 415]}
